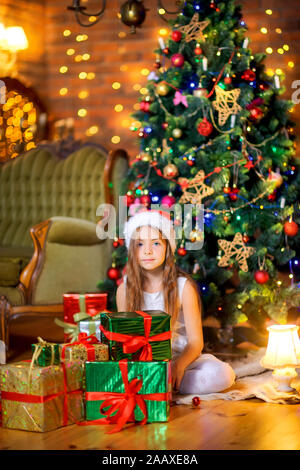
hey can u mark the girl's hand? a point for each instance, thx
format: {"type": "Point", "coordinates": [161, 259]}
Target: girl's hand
{"type": "Point", "coordinates": [177, 374]}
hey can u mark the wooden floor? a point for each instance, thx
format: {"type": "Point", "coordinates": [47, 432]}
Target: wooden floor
{"type": "Point", "coordinates": [215, 425]}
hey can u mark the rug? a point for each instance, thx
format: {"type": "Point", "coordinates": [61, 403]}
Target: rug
{"type": "Point", "coordinates": [252, 381]}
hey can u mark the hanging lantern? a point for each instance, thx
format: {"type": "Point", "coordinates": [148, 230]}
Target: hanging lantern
{"type": "Point", "coordinates": [133, 14]}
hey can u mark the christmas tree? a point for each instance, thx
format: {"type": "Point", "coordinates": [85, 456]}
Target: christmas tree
{"type": "Point", "coordinates": [214, 131]}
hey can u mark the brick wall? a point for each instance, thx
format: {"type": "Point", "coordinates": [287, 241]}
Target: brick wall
{"type": "Point", "coordinates": [118, 56]}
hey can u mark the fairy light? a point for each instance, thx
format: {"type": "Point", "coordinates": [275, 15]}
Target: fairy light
{"type": "Point", "coordinates": [70, 51]}
{"type": "Point", "coordinates": [92, 19]}
{"type": "Point", "coordinates": [278, 30]}
{"type": "Point", "coordinates": [280, 50]}
{"type": "Point", "coordinates": [63, 91]}
{"type": "Point", "coordinates": [92, 131]}
{"type": "Point", "coordinates": [82, 75]}
{"type": "Point", "coordinates": [122, 34]}
{"type": "Point", "coordinates": [116, 85]}
{"type": "Point", "coordinates": [137, 86]}
{"type": "Point", "coordinates": [86, 56]}
{"type": "Point", "coordinates": [115, 139]}
{"type": "Point", "coordinates": [82, 112]}
{"type": "Point", "coordinates": [269, 12]}
{"type": "Point", "coordinates": [67, 33]}
{"type": "Point", "coordinates": [124, 68]}
{"type": "Point", "coordinates": [145, 72]}
{"type": "Point", "coordinates": [118, 108]}
{"type": "Point", "coordinates": [83, 94]}
{"type": "Point", "coordinates": [269, 50]}
{"type": "Point", "coordinates": [63, 69]}
{"type": "Point", "coordinates": [91, 76]}
{"type": "Point", "coordinates": [144, 91]}
{"type": "Point", "coordinates": [291, 64]}
{"type": "Point", "coordinates": [161, 11]}
{"type": "Point", "coordinates": [78, 58]}
{"type": "Point", "coordinates": [164, 32]}
{"type": "Point", "coordinates": [264, 30]}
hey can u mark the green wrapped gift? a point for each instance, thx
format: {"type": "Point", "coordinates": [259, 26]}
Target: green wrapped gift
{"type": "Point", "coordinates": [142, 336]}
{"type": "Point", "coordinates": [91, 327]}
{"type": "Point", "coordinates": [45, 354]}
{"type": "Point", "coordinates": [108, 387]}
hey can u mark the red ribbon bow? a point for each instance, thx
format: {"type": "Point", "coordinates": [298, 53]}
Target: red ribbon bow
{"type": "Point", "coordinates": [87, 342]}
{"type": "Point", "coordinates": [132, 343]}
{"type": "Point", "coordinates": [123, 403]}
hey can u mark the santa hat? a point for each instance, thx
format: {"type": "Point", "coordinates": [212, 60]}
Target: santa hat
{"type": "Point", "coordinates": [155, 218]}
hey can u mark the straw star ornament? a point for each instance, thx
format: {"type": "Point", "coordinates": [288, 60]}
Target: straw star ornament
{"type": "Point", "coordinates": [194, 30]}
{"type": "Point", "coordinates": [201, 189]}
{"type": "Point", "coordinates": [226, 103]}
{"type": "Point", "coordinates": [235, 249]}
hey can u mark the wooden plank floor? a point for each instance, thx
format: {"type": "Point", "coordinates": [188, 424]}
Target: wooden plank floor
{"type": "Point", "coordinates": [215, 425]}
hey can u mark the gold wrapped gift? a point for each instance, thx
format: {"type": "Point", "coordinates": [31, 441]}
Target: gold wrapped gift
{"type": "Point", "coordinates": [41, 399]}
{"type": "Point", "coordinates": [97, 352]}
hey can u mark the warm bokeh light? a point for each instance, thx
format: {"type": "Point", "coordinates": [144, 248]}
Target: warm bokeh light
{"type": "Point", "coordinates": [122, 34]}
{"type": "Point", "coordinates": [86, 56]}
{"type": "Point", "coordinates": [116, 85]}
{"type": "Point", "coordinates": [82, 112]}
{"type": "Point", "coordinates": [264, 30]}
{"type": "Point", "coordinates": [67, 32]}
{"type": "Point", "coordinates": [115, 139]}
{"type": "Point", "coordinates": [16, 38]}
{"type": "Point", "coordinates": [291, 64]}
{"type": "Point", "coordinates": [92, 131]}
{"type": "Point", "coordinates": [269, 50]}
{"type": "Point", "coordinates": [82, 75]}
{"type": "Point", "coordinates": [145, 72]}
{"type": "Point", "coordinates": [63, 69]}
{"type": "Point", "coordinates": [70, 51]}
{"type": "Point", "coordinates": [118, 108]}
{"type": "Point", "coordinates": [124, 68]}
{"type": "Point", "coordinates": [63, 91]}
{"type": "Point", "coordinates": [269, 12]}
{"type": "Point", "coordinates": [164, 32]}
{"type": "Point", "coordinates": [91, 76]}
{"type": "Point", "coordinates": [137, 86]}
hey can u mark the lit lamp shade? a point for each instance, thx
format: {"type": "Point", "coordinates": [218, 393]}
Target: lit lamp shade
{"type": "Point", "coordinates": [282, 354]}
{"type": "Point", "coordinates": [3, 40]}
{"type": "Point", "coordinates": [16, 38]}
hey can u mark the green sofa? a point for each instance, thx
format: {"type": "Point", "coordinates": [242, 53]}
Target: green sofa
{"type": "Point", "coordinates": [48, 242]}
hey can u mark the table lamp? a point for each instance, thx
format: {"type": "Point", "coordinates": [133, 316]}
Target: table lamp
{"type": "Point", "coordinates": [282, 355]}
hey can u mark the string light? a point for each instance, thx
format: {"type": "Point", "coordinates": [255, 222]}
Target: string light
{"type": "Point", "coordinates": [115, 139]}
{"type": "Point", "coordinates": [67, 32]}
{"type": "Point", "coordinates": [63, 91]}
{"type": "Point", "coordinates": [82, 112]}
{"type": "Point", "coordinates": [116, 85]}
{"type": "Point", "coordinates": [118, 108]}
{"type": "Point", "coordinates": [70, 51]}
{"type": "Point", "coordinates": [83, 94]}
{"type": "Point", "coordinates": [63, 69]}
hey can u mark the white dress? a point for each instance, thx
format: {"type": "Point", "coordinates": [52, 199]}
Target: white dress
{"type": "Point", "coordinates": [206, 374]}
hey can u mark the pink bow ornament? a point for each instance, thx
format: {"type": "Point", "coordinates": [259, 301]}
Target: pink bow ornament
{"type": "Point", "coordinates": [180, 98]}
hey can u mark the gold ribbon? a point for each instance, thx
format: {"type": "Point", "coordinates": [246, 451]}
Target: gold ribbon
{"type": "Point", "coordinates": [69, 329]}
{"type": "Point", "coordinates": [85, 316]}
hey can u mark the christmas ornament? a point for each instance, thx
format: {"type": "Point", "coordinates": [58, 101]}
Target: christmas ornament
{"type": "Point", "coordinates": [256, 114]}
{"type": "Point", "coordinates": [291, 228]}
{"type": "Point", "coordinates": [272, 197]}
{"type": "Point", "coordinates": [166, 51]}
{"type": "Point", "coordinates": [233, 194]}
{"type": "Point", "coordinates": [200, 92]}
{"type": "Point", "coordinates": [227, 80]}
{"type": "Point", "coordinates": [226, 103]}
{"type": "Point", "coordinates": [196, 401]}
{"type": "Point", "coordinates": [177, 133]}
{"type": "Point", "coordinates": [226, 189]}
{"type": "Point", "coordinates": [157, 64]}
{"type": "Point", "coordinates": [180, 98]}
{"type": "Point", "coordinates": [275, 178]}
{"type": "Point", "coordinates": [245, 238]}
{"type": "Point", "coordinates": [177, 59]}
{"type": "Point", "coordinates": [162, 89]}
{"type": "Point", "coordinates": [195, 235]}
{"type": "Point", "coordinates": [190, 162]}
{"type": "Point", "coordinates": [194, 30]}
{"type": "Point", "coordinates": [198, 50]}
{"type": "Point", "coordinates": [164, 125]}
{"type": "Point", "coordinates": [133, 14]}
{"type": "Point", "coordinates": [176, 35]}
{"type": "Point", "coordinates": [144, 106]}
{"type": "Point", "coordinates": [181, 251]}
{"type": "Point", "coordinates": [261, 276]}
{"type": "Point", "coordinates": [235, 249]}
{"type": "Point", "coordinates": [201, 189]}
{"type": "Point", "coordinates": [205, 127]}
{"type": "Point", "coordinates": [113, 273]}
{"type": "Point", "coordinates": [168, 200]}
{"type": "Point", "coordinates": [115, 243]}
{"type": "Point", "coordinates": [129, 199]}
{"type": "Point", "coordinates": [248, 75]}
{"type": "Point", "coordinates": [145, 199]}
{"type": "Point", "coordinates": [170, 171]}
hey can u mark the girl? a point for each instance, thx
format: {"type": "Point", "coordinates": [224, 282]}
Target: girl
{"type": "Point", "coordinates": [154, 282]}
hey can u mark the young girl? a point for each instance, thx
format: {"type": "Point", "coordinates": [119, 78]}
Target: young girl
{"type": "Point", "coordinates": [154, 282]}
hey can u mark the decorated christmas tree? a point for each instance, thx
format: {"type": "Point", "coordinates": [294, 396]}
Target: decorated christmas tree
{"type": "Point", "coordinates": [214, 131]}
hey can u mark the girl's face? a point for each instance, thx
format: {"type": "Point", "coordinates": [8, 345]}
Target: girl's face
{"type": "Point", "coordinates": [151, 248]}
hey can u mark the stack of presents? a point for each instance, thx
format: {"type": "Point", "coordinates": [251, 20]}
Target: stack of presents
{"type": "Point", "coordinates": [113, 368]}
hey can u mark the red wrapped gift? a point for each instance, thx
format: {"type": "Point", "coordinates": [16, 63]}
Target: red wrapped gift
{"type": "Point", "coordinates": [90, 303]}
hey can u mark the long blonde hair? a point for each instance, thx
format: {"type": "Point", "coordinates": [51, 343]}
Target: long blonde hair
{"type": "Point", "coordinates": [136, 281]}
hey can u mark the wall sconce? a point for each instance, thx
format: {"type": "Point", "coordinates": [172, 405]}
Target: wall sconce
{"type": "Point", "coordinates": [12, 40]}
{"type": "Point", "coordinates": [282, 355]}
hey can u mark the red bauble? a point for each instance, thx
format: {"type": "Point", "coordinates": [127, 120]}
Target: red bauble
{"type": "Point", "coordinates": [272, 197]}
{"type": "Point", "coordinates": [164, 125]}
{"type": "Point", "coordinates": [190, 162]}
{"type": "Point", "coordinates": [227, 80]}
{"type": "Point", "coordinates": [196, 401]}
{"type": "Point", "coordinates": [145, 200]}
{"type": "Point", "coordinates": [245, 238]}
{"type": "Point", "coordinates": [233, 194]}
{"type": "Point", "coordinates": [261, 276]}
{"type": "Point", "coordinates": [249, 75]}
{"type": "Point", "coordinates": [291, 228]}
{"type": "Point", "coordinates": [157, 65]}
{"type": "Point", "coordinates": [176, 35]}
{"type": "Point", "coordinates": [144, 106]}
{"type": "Point", "coordinates": [177, 59]}
{"type": "Point", "coordinates": [113, 274]}
{"type": "Point", "coordinates": [256, 114]}
{"type": "Point", "coordinates": [181, 251]}
{"type": "Point", "coordinates": [198, 50]}
{"type": "Point", "coordinates": [227, 190]}
{"type": "Point", "coordinates": [205, 127]}
{"type": "Point", "coordinates": [130, 199]}
{"type": "Point", "coordinates": [168, 201]}
{"type": "Point", "coordinates": [166, 50]}
{"type": "Point", "coordinates": [115, 244]}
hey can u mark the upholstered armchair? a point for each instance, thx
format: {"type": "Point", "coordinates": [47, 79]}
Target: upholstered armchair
{"type": "Point", "coordinates": [48, 241]}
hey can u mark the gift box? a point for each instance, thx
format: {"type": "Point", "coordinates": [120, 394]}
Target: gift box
{"type": "Point", "coordinates": [91, 327]}
{"type": "Point", "coordinates": [143, 336]}
{"type": "Point", "coordinates": [125, 391]}
{"type": "Point", "coordinates": [45, 354]}
{"type": "Point", "coordinates": [86, 349]}
{"type": "Point", "coordinates": [41, 399]}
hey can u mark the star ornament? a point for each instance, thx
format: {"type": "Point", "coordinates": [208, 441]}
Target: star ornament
{"type": "Point", "coordinates": [235, 249]}
{"type": "Point", "coordinates": [194, 30]}
{"type": "Point", "coordinates": [201, 190]}
{"type": "Point", "coordinates": [226, 103]}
